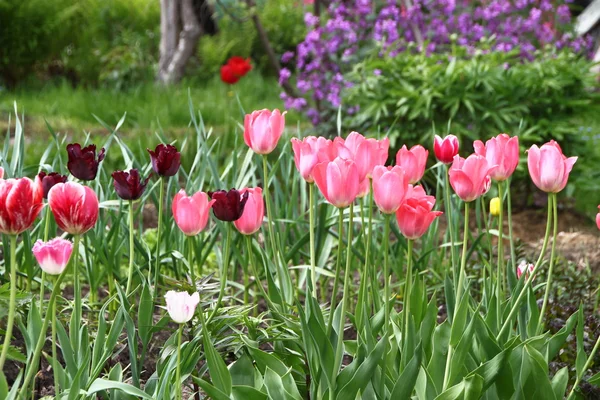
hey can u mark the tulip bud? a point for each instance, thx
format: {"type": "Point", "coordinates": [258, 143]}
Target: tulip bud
{"type": "Point", "coordinates": [83, 163]}
{"type": "Point", "coordinates": [495, 206]}
{"type": "Point", "coordinates": [470, 177]}
{"type": "Point", "coordinates": [389, 188]}
{"type": "Point", "coordinates": [262, 130]}
{"type": "Point", "coordinates": [548, 167]}
{"type": "Point", "coordinates": [338, 181]}
{"type": "Point", "coordinates": [445, 149]}
{"type": "Point", "coordinates": [191, 212]}
{"type": "Point", "coordinates": [129, 185]}
{"type": "Point", "coordinates": [181, 306]}
{"type": "Point", "coordinates": [254, 212]}
{"type": "Point", "coordinates": [53, 256]}
{"type": "Point", "coordinates": [75, 207]}
{"type": "Point", "coordinates": [413, 162]}
{"type": "Point", "coordinates": [524, 268]}
{"type": "Point", "coordinates": [228, 206]}
{"type": "Point", "coordinates": [166, 160]}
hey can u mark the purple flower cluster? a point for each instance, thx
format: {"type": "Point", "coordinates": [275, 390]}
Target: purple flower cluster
{"type": "Point", "coordinates": [350, 28]}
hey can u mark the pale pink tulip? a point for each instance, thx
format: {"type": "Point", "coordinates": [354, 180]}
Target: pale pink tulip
{"type": "Point", "coordinates": [390, 187]}
{"type": "Point", "coordinates": [470, 177]}
{"type": "Point", "coordinates": [262, 130]}
{"type": "Point", "coordinates": [53, 256]}
{"type": "Point", "coordinates": [548, 167]}
{"type": "Point", "coordinates": [75, 207]}
{"type": "Point", "coordinates": [191, 212]}
{"type": "Point", "coordinates": [415, 215]}
{"type": "Point", "coordinates": [254, 212]}
{"type": "Point", "coordinates": [310, 151]}
{"type": "Point", "coordinates": [524, 268]}
{"type": "Point", "coordinates": [338, 181]}
{"type": "Point", "coordinates": [502, 151]}
{"type": "Point", "coordinates": [413, 162]}
{"type": "Point", "coordinates": [445, 149]}
{"type": "Point", "coordinates": [366, 153]}
{"type": "Point", "coordinates": [181, 306]}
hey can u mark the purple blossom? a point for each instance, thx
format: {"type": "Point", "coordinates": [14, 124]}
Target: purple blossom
{"type": "Point", "coordinates": [287, 57]}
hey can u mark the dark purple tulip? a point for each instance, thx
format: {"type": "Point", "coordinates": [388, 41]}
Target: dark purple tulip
{"type": "Point", "coordinates": [83, 163]}
{"type": "Point", "coordinates": [49, 180]}
{"type": "Point", "coordinates": [129, 185]}
{"type": "Point", "coordinates": [166, 160]}
{"type": "Point", "coordinates": [228, 206]}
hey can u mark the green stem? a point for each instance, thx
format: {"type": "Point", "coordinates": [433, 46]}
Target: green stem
{"type": "Point", "coordinates": [224, 274]}
{"type": "Point", "coordinates": [338, 267]}
{"type": "Point", "coordinates": [178, 384]}
{"type": "Point", "coordinates": [540, 327]}
{"type": "Point", "coordinates": [311, 216]}
{"type": "Point", "coordinates": [585, 367]}
{"type": "Point", "coordinates": [46, 234]}
{"type": "Point", "coordinates": [340, 340]}
{"type": "Point", "coordinates": [131, 248]}
{"type": "Point", "coordinates": [448, 207]}
{"type": "Point", "coordinates": [272, 307]}
{"type": "Point", "coordinates": [500, 271]}
{"type": "Point", "coordinates": [12, 305]}
{"type": "Point", "coordinates": [76, 293]}
{"type": "Point", "coordinates": [513, 257]}
{"type": "Point", "coordinates": [369, 270]}
{"type": "Point", "coordinates": [42, 336]}
{"type": "Point", "coordinates": [190, 240]}
{"type": "Point", "coordinates": [54, 352]}
{"type": "Point", "coordinates": [459, 292]}
{"type": "Point", "coordinates": [529, 280]}
{"type": "Point", "coordinates": [386, 302]}
{"type": "Point", "coordinates": [246, 282]}
{"type": "Point", "coordinates": [158, 232]}
{"type": "Point", "coordinates": [407, 291]}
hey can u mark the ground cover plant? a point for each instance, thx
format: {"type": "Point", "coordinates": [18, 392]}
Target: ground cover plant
{"type": "Point", "coordinates": [276, 268]}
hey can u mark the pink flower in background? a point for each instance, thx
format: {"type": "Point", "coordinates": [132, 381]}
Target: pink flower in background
{"type": "Point", "coordinates": [413, 162]}
{"type": "Point", "coordinates": [181, 306]}
{"type": "Point", "coordinates": [598, 218]}
{"type": "Point", "coordinates": [338, 181]}
{"type": "Point", "coordinates": [445, 149]}
{"type": "Point", "coordinates": [191, 212]}
{"type": "Point", "coordinates": [262, 130]}
{"type": "Point", "coordinates": [470, 177]}
{"type": "Point", "coordinates": [502, 151]}
{"type": "Point", "coordinates": [524, 268]}
{"type": "Point", "coordinates": [254, 212]}
{"type": "Point", "coordinates": [390, 187]}
{"type": "Point", "coordinates": [53, 256]}
{"type": "Point", "coordinates": [310, 151]}
{"type": "Point", "coordinates": [75, 207]}
{"type": "Point", "coordinates": [415, 216]}
{"type": "Point", "coordinates": [548, 167]}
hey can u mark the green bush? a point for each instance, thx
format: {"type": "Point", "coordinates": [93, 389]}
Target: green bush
{"type": "Point", "coordinates": [414, 96]}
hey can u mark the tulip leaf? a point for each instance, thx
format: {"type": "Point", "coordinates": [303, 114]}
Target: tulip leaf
{"type": "Point", "coordinates": [104, 384]}
{"type": "Point", "coordinates": [218, 370]}
{"type": "Point", "coordinates": [560, 382]}
{"type": "Point", "coordinates": [363, 373]}
{"type": "Point", "coordinates": [241, 392]}
{"type": "Point", "coordinates": [406, 382]}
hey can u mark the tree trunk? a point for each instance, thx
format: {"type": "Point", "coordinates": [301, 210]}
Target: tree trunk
{"type": "Point", "coordinates": [180, 31]}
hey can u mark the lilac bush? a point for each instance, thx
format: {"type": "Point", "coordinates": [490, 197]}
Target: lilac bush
{"type": "Point", "coordinates": [351, 28]}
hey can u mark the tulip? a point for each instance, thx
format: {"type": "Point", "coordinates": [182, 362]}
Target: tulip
{"type": "Point", "coordinates": [445, 149]}
{"type": "Point", "coordinates": [75, 207]}
{"type": "Point", "coordinates": [338, 181]}
{"type": "Point", "coordinates": [166, 160]}
{"type": "Point", "coordinates": [502, 151]}
{"type": "Point", "coordinates": [413, 162]}
{"type": "Point", "coordinates": [366, 153]}
{"type": "Point", "coordinates": [470, 177]}
{"type": "Point", "coordinates": [254, 212]}
{"type": "Point", "coordinates": [83, 163]}
{"type": "Point", "coordinates": [390, 187]}
{"type": "Point", "coordinates": [181, 306]}
{"type": "Point", "coordinates": [598, 218]}
{"type": "Point", "coordinates": [191, 212]}
{"type": "Point", "coordinates": [415, 215]}
{"type": "Point", "coordinates": [495, 206]}
{"type": "Point", "coordinates": [53, 256]}
{"type": "Point", "coordinates": [129, 185]}
{"type": "Point", "coordinates": [228, 205]}
{"type": "Point", "coordinates": [49, 180]}
{"type": "Point", "coordinates": [20, 204]}
{"type": "Point", "coordinates": [548, 167]}
{"type": "Point", "coordinates": [310, 151]}
{"type": "Point", "coordinates": [262, 130]}
{"type": "Point", "coordinates": [235, 69]}
{"type": "Point", "coordinates": [1, 172]}
{"type": "Point", "coordinates": [525, 268]}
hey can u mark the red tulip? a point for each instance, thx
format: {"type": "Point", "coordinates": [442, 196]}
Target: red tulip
{"type": "Point", "coordinates": [470, 177]}
{"type": "Point", "coordinates": [53, 256]}
{"type": "Point", "coordinates": [413, 162]}
{"type": "Point", "coordinates": [415, 216]}
{"type": "Point", "coordinates": [366, 153]}
{"type": "Point", "coordinates": [75, 207]}
{"type": "Point", "coordinates": [262, 130]}
{"type": "Point", "coordinates": [338, 181]}
{"type": "Point", "coordinates": [129, 185]}
{"type": "Point", "coordinates": [191, 212]}
{"type": "Point", "coordinates": [49, 180]}
{"type": "Point", "coordinates": [228, 205]}
{"type": "Point", "coordinates": [390, 186]}
{"type": "Point", "coordinates": [228, 76]}
{"type": "Point", "coordinates": [549, 168]}
{"type": "Point", "coordinates": [310, 151]}
{"type": "Point", "coordinates": [254, 212]}
{"type": "Point", "coordinates": [502, 151]}
{"type": "Point", "coordinates": [83, 163]}
{"type": "Point", "coordinates": [166, 159]}
{"type": "Point", "coordinates": [20, 204]}
{"type": "Point", "coordinates": [235, 68]}
{"type": "Point", "coordinates": [445, 149]}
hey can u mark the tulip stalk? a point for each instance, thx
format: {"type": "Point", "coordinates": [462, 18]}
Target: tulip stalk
{"type": "Point", "coordinates": [338, 268]}
{"type": "Point", "coordinates": [46, 233]}
{"type": "Point", "coordinates": [224, 274]}
{"type": "Point", "coordinates": [552, 199]}
{"type": "Point", "coordinates": [340, 340]}
{"type": "Point", "coordinates": [585, 367]}
{"type": "Point", "coordinates": [513, 256]}
{"type": "Point", "coordinates": [76, 292]}
{"type": "Point", "coordinates": [131, 253]}
{"type": "Point", "coordinates": [158, 231]}
{"type": "Point", "coordinates": [311, 216]}
{"type": "Point", "coordinates": [500, 272]}
{"type": "Point", "coordinates": [190, 241]}
{"type": "Point", "coordinates": [407, 292]}
{"type": "Point", "coordinates": [386, 300]}
{"type": "Point", "coordinates": [448, 208]}
{"type": "Point", "coordinates": [178, 367]}
{"type": "Point", "coordinates": [12, 302]}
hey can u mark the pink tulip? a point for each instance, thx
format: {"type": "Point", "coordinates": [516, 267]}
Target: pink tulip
{"type": "Point", "coordinates": [181, 306]}
{"type": "Point", "coordinates": [524, 268]}
{"type": "Point", "coordinates": [417, 192]}
{"type": "Point", "coordinates": [548, 167]}
{"type": "Point", "coordinates": [415, 216]}
{"type": "Point", "coordinates": [470, 177]}
{"type": "Point", "coordinates": [502, 151]}
{"type": "Point", "coordinates": [191, 212]}
{"type": "Point", "coordinates": [21, 200]}
{"type": "Point", "coordinates": [53, 256]}
{"type": "Point", "coordinates": [262, 130]}
{"type": "Point", "coordinates": [413, 162]}
{"type": "Point", "coordinates": [310, 151]}
{"type": "Point", "coordinates": [75, 207]}
{"type": "Point", "coordinates": [445, 149]}
{"type": "Point", "coordinates": [338, 181]}
{"type": "Point", "coordinates": [366, 153]}
{"type": "Point", "coordinates": [254, 212]}
{"type": "Point", "coordinates": [598, 218]}
{"type": "Point", "coordinates": [1, 173]}
{"type": "Point", "coordinates": [390, 187]}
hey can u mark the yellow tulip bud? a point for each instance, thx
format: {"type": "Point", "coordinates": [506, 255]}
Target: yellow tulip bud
{"type": "Point", "coordinates": [495, 206]}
